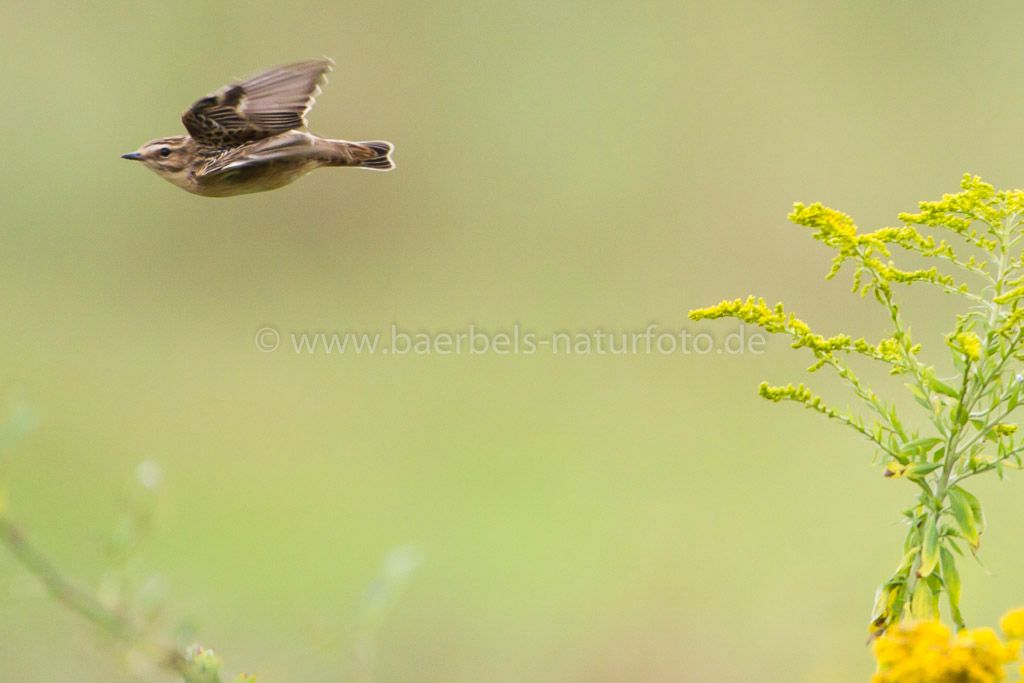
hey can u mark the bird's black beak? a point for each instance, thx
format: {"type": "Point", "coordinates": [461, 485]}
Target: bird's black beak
{"type": "Point", "coordinates": [134, 156]}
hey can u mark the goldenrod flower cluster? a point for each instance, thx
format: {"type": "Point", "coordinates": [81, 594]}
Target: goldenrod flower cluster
{"type": "Point", "coordinates": [837, 230]}
{"type": "Point", "coordinates": [979, 201]}
{"type": "Point", "coordinates": [773, 320]}
{"type": "Point", "coordinates": [969, 423]}
{"type": "Point", "coordinates": [926, 652]}
{"type": "Point", "coordinates": [969, 343]}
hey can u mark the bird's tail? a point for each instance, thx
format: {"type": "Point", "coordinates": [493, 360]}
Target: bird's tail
{"type": "Point", "coordinates": [375, 155]}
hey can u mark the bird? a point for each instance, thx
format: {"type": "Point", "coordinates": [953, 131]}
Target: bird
{"type": "Point", "coordinates": [248, 137]}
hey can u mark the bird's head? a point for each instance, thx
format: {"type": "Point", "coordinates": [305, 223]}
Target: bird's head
{"type": "Point", "coordinates": [168, 157]}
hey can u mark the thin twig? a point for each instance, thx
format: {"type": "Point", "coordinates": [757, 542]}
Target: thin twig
{"type": "Point", "coordinates": [81, 601]}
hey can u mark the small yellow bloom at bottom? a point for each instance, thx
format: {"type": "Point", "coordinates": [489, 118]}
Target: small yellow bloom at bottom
{"type": "Point", "coordinates": [1012, 623]}
{"type": "Point", "coordinates": [925, 652]}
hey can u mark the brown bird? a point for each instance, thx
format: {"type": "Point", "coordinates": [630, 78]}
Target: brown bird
{"type": "Point", "coordinates": [245, 137]}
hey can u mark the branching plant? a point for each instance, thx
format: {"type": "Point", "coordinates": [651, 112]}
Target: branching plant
{"type": "Point", "coordinates": [968, 416]}
{"type": "Point", "coordinates": [127, 606]}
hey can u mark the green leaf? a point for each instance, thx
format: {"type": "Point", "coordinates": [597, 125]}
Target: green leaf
{"type": "Point", "coordinates": [894, 420]}
{"type": "Point", "coordinates": [919, 395]}
{"type": "Point", "coordinates": [929, 549]}
{"type": "Point", "coordinates": [922, 445]}
{"type": "Point", "coordinates": [905, 564]}
{"type": "Point", "coordinates": [924, 604]}
{"type": "Point", "coordinates": [958, 363]}
{"type": "Point", "coordinates": [951, 580]}
{"type": "Point", "coordinates": [981, 565]}
{"type": "Point", "coordinates": [979, 518]}
{"type": "Point", "coordinates": [963, 513]}
{"type": "Point", "coordinates": [883, 598]}
{"type": "Point", "coordinates": [943, 388]}
{"type": "Point", "coordinates": [912, 542]}
{"type": "Point", "coordinates": [889, 601]}
{"type": "Point", "coordinates": [919, 469]}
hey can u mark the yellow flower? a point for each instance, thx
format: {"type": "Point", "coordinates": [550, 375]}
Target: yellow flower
{"type": "Point", "coordinates": [895, 469]}
{"type": "Point", "coordinates": [970, 344]}
{"type": "Point", "coordinates": [924, 652]}
{"type": "Point", "coordinates": [1012, 623]}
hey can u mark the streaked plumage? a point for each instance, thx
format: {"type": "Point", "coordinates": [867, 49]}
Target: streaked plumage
{"type": "Point", "coordinates": [245, 137]}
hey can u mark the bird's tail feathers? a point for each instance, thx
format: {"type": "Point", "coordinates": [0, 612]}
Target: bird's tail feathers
{"type": "Point", "coordinates": [381, 159]}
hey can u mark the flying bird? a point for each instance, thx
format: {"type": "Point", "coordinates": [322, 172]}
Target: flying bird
{"type": "Point", "coordinates": [247, 137]}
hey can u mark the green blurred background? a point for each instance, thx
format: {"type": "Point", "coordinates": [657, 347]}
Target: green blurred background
{"type": "Point", "coordinates": [588, 518]}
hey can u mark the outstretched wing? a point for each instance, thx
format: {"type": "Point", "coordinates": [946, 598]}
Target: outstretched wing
{"type": "Point", "coordinates": [267, 104]}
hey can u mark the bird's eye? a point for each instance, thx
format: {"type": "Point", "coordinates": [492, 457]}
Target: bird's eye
{"type": "Point", "coordinates": [165, 151]}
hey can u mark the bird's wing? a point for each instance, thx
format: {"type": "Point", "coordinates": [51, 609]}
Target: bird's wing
{"type": "Point", "coordinates": [293, 146]}
{"type": "Point", "coordinates": [269, 103]}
